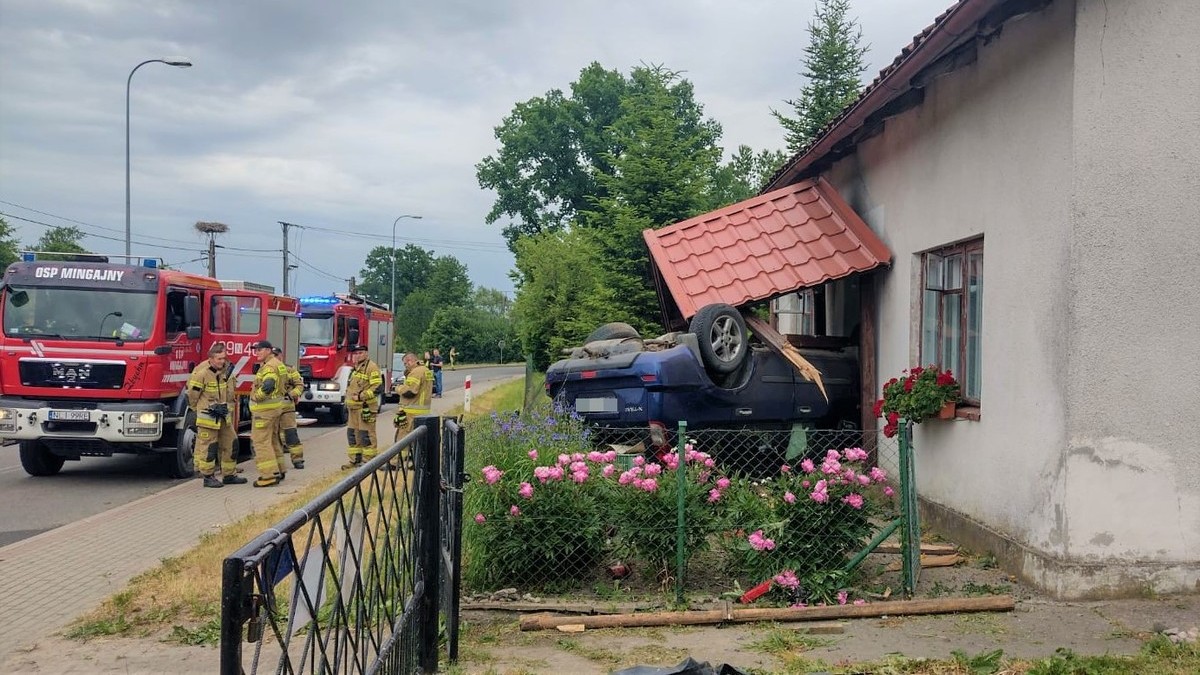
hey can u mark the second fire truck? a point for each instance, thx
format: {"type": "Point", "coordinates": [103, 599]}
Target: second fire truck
{"type": "Point", "coordinates": [329, 326]}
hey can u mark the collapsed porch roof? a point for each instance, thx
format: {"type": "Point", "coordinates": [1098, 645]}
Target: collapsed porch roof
{"type": "Point", "coordinates": [798, 236]}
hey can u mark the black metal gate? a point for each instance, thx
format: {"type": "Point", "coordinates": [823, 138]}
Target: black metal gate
{"type": "Point", "coordinates": [453, 478]}
{"type": "Point", "coordinates": [353, 581]}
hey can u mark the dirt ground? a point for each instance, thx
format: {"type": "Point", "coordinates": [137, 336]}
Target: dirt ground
{"type": "Point", "coordinates": [493, 643]}
{"type": "Point", "coordinates": [1035, 629]}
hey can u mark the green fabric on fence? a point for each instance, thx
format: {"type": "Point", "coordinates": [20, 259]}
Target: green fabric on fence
{"type": "Point", "coordinates": [798, 443]}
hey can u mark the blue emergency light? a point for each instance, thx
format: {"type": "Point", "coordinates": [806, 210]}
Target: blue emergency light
{"type": "Point", "coordinates": [150, 262]}
{"type": "Point", "coordinates": [319, 300]}
{"type": "Point", "coordinates": [28, 256]}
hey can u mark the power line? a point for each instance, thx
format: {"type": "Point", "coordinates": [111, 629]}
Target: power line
{"type": "Point", "coordinates": [100, 236]}
{"type": "Point", "coordinates": [314, 268]}
{"type": "Point", "coordinates": [113, 229]}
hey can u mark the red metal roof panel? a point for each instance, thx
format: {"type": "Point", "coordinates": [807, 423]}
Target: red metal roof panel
{"type": "Point", "coordinates": [798, 236]}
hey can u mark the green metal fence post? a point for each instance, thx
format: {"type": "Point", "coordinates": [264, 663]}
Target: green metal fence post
{"type": "Point", "coordinates": [680, 507]}
{"type": "Point", "coordinates": [910, 535]}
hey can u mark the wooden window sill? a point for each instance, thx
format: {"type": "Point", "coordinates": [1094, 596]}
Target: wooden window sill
{"type": "Point", "coordinates": [967, 413]}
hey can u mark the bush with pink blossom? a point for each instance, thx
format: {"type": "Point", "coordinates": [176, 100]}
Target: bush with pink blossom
{"type": "Point", "coordinates": [807, 519]}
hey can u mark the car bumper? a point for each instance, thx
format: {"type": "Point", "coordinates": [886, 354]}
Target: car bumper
{"type": "Point", "coordinates": [111, 422]}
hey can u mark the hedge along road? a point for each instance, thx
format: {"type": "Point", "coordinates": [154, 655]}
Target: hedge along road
{"type": "Point", "coordinates": [29, 505]}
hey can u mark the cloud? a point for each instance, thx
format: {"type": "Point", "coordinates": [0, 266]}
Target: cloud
{"type": "Point", "coordinates": [345, 115]}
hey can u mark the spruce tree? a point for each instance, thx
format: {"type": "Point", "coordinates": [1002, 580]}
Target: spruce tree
{"type": "Point", "coordinates": [833, 64]}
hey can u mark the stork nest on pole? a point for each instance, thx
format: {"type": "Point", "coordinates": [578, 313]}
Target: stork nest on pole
{"type": "Point", "coordinates": [211, 228]}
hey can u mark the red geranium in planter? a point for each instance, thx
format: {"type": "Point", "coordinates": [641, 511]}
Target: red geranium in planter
{"type": "Point", "coordinates": [918, 395]}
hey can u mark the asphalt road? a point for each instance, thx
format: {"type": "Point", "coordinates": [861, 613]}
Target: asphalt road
{"type": "Point", "coordinates": [31, 505]}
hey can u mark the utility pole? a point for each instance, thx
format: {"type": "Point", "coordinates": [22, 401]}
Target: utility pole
{"type": "Point", "coordinates": [286, 266]}
{"type": "Point", "coordinates": [212, 230]}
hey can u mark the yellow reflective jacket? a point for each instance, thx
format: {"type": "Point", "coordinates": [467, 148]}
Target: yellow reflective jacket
{"type": "Point", "coordinates": [208, 386]}
{"type": "Point", "coordinates": [363, 387]}
{"type": "Point", "coordinates": [270, 386]}
{"type": "Point", "coordinates": [416, 394]}
{"type": "Point", "coordinates": [295, 388]}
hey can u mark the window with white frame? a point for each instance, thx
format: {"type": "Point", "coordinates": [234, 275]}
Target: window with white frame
{"type": "Point", "coordinates": [952, 313]}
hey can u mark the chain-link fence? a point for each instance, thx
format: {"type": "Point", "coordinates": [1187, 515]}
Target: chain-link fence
{"type": "Point", "coordinates": [558, 507]}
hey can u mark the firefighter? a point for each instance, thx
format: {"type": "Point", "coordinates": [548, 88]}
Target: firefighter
{"type": "Point", "coordinates": [210, 395]}
{"type": "Point", "coordinates": [266, 407]}
{"type": "Point", "coordinates": [362, 392]}
{"type": "Point", "coordinates": [287, 421]}
{"type": "Point", "coordinates": [416, 394]}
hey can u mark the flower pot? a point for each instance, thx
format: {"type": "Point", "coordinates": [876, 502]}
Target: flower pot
{"type": "Point", "coordinates": [947, 411]}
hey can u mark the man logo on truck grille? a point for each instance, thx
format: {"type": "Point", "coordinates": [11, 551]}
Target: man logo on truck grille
{"type": "Point", "coordinates": [70, 372]}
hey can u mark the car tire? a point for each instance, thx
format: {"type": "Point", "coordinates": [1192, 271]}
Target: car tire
{"type": "Point", "coordinates": [181, 462]}
{"type": "Point", "coordinates": [724, 340]}
{"type": "Point", "coordinates": [37, 460]}
{"type": "Point", "coordinates": [612, 331]}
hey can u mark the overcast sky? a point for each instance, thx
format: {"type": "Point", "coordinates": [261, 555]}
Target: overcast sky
{"type": "Point", "coordinates": [345, 115]}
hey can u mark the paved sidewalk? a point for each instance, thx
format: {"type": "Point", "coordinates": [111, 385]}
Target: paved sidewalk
{"type": "Point", "coordinates": [48, 580]}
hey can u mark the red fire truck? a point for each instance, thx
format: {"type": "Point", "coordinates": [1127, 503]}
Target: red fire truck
{"type": "Point", "coordinates": [329, 326]}
{"type": "Point", "coordinates": [96, 356]}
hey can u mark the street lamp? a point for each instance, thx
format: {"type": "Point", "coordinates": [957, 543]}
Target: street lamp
{"type": "Point", "coordinates": [178, 63]}
{"type": "Point", "coordinates": [392, 306]}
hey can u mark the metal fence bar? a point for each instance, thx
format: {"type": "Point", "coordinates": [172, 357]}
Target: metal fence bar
{"type": "Point", "coordinates": [429, 541]}
{"type": "Point", "coordinates": [450, 568]}
{"type": "Point", "coordinates": [910, 539]}
{"type": "Point", "coordinates": [680, 510]}
{"type": "Point", "coordinates": [363, 560]}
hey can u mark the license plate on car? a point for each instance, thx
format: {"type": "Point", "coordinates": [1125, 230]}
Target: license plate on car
{"type": "Point", "coordinates": [596, 405]}
{"type": "Point", "coordinates": [70, 415]}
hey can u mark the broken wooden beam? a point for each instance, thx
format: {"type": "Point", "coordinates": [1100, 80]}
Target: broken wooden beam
{"type": "Point", "coordinates": [781, 346]}
{"type": "Point", "coordinates": [991, 603]}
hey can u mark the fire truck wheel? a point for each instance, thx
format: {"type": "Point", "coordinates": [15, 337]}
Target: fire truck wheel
{"type": "Point", "coordinates": [180, 462]}
{"type": "Point", "coordinates": [37, 460]}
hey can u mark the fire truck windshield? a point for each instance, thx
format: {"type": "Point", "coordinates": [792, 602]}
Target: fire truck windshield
{"type": "Point", "coordinates": [316, 329]}
{"type": "Point", "coordinates": [78, 313]}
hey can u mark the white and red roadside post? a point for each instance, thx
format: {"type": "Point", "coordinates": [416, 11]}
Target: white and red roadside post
{"type": "Point", "coordinates": [467, 394]}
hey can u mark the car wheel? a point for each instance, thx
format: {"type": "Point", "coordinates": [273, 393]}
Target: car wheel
{"type": "Point", "coordinates": [180, 462]}
{"type": "Point", "coordinates": [37, 460]}
{"type": "Point", "coordinates": [612, 331]}
{"type": "Point", "coordinates": [724, 341]}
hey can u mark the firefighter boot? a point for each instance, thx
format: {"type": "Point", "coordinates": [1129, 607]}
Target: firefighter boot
{"type": "Point", "coordinates": [211, 481]}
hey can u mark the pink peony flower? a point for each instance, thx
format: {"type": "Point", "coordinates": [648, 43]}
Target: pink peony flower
{"type": "Point", "coordinates": [526, 491]}
{"type": "Point", "coordinates": [842, 597]}
{"type": "Point", "coordinates": [578, 457]}
{"type": "Point", "coordinates": [610, 456]}
{"type": "Point", "coordinates": [785, 469]}
{"type": "Point", "coordinates": [595, 457]}
{"type": "Point", "coordinates": [579, 476]}
{"type": "Point", "coordinates": [889, 491]}
{"type": "Point", "coordinates": [878, 475]}
{"type": "Point", "coordinates": [533, 454]}
{"type": "Point", "coordinates": [804, 483]}
{"type": "Point", "coordinates": [514, 511]}
{"type": "Point", "coordinates": [859, 601]}
{"type": "Point", "coordinates": [639, 460]}
{"type": "Point", "coordinates": [789, 498]}
{"type": "Point", "coordinates": [787, 579]}
{"type": "Point", "coordinates": [608, 470]}
{"type": "Point", "coordinates": [832, 454]}
{"type": "Point", "coordinates": [491, 474]}
{"type": "Point", "coordinates": [626, 477]}
{"type": "Point", "coordinates": [855, 454]}
{"type": "Point", "coordinates": [542, 473]}
{"type": "Point", "coordinates": [556, 473]}
{"type": "Point", "coordinates": [760, 543]}
{"type": "Point", "coordinates": [708, 462]}
{"type": "Point", "coordinates": [723, 483]}
{"type": "Point", "coordinates": [578, 466]}
{"type": "Point", "coordinates": [649, 485]}
{"type": "Point", "coordinates": [864, 479]}
{"type": "Point", "coordinates": [703, 476]}
{"type": "Point", "coordinates": [807, 466]}
{"type": "Point", "coordinates": [714, 495]}
{"type": "Point", "coordinates": [855, 500]}
{"type": "Point", "coordinates": [479, 518]}
{"type": "Point", "coordinates": [653, 469]}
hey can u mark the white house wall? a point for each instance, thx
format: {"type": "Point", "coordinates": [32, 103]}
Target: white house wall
{"type": "Point", "coordinates": [1132, 460]}
{"type": "Point", "coordinates": [987, 153]}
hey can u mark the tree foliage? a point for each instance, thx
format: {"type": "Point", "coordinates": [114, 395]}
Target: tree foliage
{"type": "Point", "coordinates": [833, 64]}
{"type": "Point", "coordinates": [561, 294]}
{"type": "Point", "coordinates": [61, 239]}
{"type": "Point", "coordinates": [582, 175]}
{"type": "Point", "coordinates": [413, 266]}
{"type": "Point", "coordinates": [481, 330]}
{"type": "Point", "coordinates": [10, 248]}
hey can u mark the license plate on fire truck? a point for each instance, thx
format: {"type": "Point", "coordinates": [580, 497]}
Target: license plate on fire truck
{"type": "Point", "coordinates": [69, 415]}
